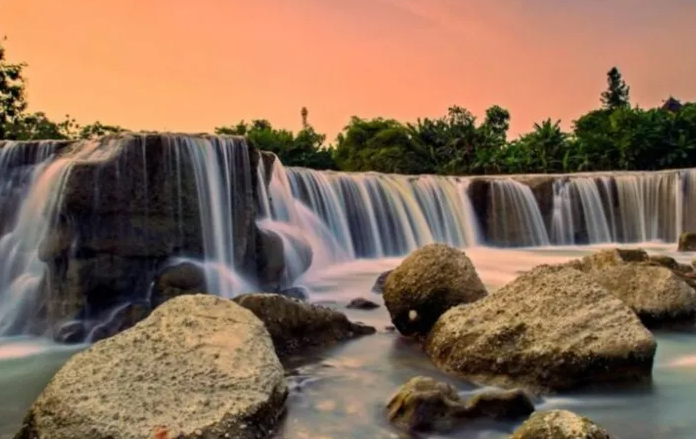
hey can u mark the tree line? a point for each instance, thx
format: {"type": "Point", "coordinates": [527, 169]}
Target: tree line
{"type": "Point", "coordinates": [615, 136]}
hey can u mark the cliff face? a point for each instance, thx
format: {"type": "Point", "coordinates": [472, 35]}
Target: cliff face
{"type": "Point", "coordinates": [127, 205]}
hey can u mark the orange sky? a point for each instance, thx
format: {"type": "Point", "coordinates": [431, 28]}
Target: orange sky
{"type": "Point", "coordinates": [189, 65]}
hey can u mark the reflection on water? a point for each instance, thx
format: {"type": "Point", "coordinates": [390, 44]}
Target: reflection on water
{"type": "Point", "coordinates": [341, 393]}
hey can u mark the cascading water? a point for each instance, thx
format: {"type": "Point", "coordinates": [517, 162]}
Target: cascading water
{"type": "Point", "coordinates": [375, 215]}
{"type": "Point", "coordinates": [22, 271]}
{"type": "Point", "coordinates": [515, 216]}
{"type": "Point", "coordinates": [579, 211]}
{"type": "Point", "coordinates": [649, 206]}
{"type": "Point", "coordinates": [222, 171]}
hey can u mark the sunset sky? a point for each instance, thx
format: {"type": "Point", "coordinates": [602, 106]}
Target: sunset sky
{"type": "Point", "coordinates": [187, 65]}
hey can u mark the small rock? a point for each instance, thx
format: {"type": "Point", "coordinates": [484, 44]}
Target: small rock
{"type": "Point", "coordinates": [559, 424]}
{"type": "Point", "coordinates": [361, 303]}
{"type": "Point", "coordinates": [425, 404]}
{"type": "Point", "coordinates": [500, 404]}
{"type": "Point", "coordinates": [297, 326]}
{"type": "Point", "coordinates": [687, 242]}
{"type": "Point", "coordinates": [378, 287]}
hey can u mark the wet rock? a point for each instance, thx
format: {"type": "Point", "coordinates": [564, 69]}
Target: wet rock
{"type": "Point", "coordinates": [500, 404]}
{"type": "Point", "coordinates": [559, 424]}
{"type": "Point", "coordinates": [272, 261]}
{"type": "Point", "coordinates": [427, 283]}
{"type": "Point", "coordinates": [687, 242]}
{"type": "Point", "coordinates": [361, 303]}
{"type": "Point", "coordinates": [178, 280]}
{"type": "Point", "coordinates": [378, 287]}
{"type": "Point", "coordinates": [655, 293]}
{"type": "Point", "coordinates": [198, 366]}
{"type": "Point", "coordinates": [297, 326]}
{"type": "Point", "coordinates": [553, 328]}
{"type": "Point", "coordinates": [664, 261]}
{"type": "Point", "coordinates": [70, 332]}
{"type": "Point", "coordinates": [609, 258]}
{"type": "Point", "coordinates": [425, 404]}
{"type": "Point", "coordinates": [298, 292]}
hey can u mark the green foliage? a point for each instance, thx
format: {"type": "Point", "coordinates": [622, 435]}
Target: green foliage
{"type": "Point", "coordinates": [12, 94]}
{"type": "Point", "coordinates": [616, 95]}
{"type": "Point", "coordinates": [613, 137]}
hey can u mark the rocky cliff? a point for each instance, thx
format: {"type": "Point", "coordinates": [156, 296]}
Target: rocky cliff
{"type": "Point", "coordinates": [127, 205]}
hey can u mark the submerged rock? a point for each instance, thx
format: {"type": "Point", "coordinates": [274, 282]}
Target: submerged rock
{"type": "Point", "coordinates": [361, 303]}
{"type": "Point", "coordinates": [500, 404]}
{"type": "Point", "coordinates": [427, 283]}
{"type": "Point", "coordinates": [604, 259]}
{"type": "Point", "coordinates": [559, 424]}
{"type": "Point", "coordinates": [378, 287]}
{"type": "Point", "coordinates": [427, 404]}
{"type": "Point", "coordinates": [656, 294]}
{"type": "Point", "coordinates": [552, 328]}
{"type": "Point", "coordinates": [687, 242]}
{"type": "Point", "coordinates": [178, 280]}
{"type": "Point", "coordinates": [198, 366]}
{"type": "Point", "coordinates": [296, 326]}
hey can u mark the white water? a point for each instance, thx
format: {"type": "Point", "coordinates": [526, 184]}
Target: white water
{"type": "Point", "coordinates": [214, 162]}
{"type": "Point", "coordinates": [21, 271]}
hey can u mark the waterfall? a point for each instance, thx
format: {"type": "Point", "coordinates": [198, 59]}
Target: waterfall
{"type": "Point", "coordinates": [515, 216]}
{"type": "Point", "coordinates": [22, 271]}
{"type": "Point", "coordinates": [374, 215]}
{"type": "Point", "coordinates": [649, 205]}
{"type": "Point", "coordinates": [215, 162]}
{"type": "Point", "coordinates": [579, 213]}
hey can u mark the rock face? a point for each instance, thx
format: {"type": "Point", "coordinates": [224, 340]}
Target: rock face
{"type": "Point", "coordinates": [297, 326]}
{"type": "Point", "coordinates": [559, 424]}
{"type": "Point", "coordinates": [656, 294]}
{"type": "Point", "coordinates": [198, 366]}
{"type": "Point", "coordinates": [426, 404]}
{"type": "Point", "coordinates": [687, 242]}
{"type": "Point", "coordinates": [427, 283]}
{"type": "Point", "coordinates": [552, 328]}
{"type": "Point", "coordinates": [128, 205]}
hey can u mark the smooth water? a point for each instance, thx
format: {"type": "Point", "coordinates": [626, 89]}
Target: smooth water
{"type": "Point", "coordinates": [342, 392]}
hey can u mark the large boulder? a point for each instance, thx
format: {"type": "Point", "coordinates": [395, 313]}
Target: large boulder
{"type": "Point", "coordinates": [427, 283]}
{"type": "Point", "coordinates": [559, 424]}
{"type": "Point", "coordinates": [655, 293]}
{"type": "Point", "coordinates": [687, 242]}
{"type": "Point", "coordinates": [198, 366]}
{"type": "Point", "coordinates": [552, 328]}
{"type": "Point", "coordinates": [296, 326]}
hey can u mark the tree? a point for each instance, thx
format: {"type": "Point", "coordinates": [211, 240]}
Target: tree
{"type": "Point", "coordinates": [616, 94]}
{"type": "Point", "coordinates": [12, 93]}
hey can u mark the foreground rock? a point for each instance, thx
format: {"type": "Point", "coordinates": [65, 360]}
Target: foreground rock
{"type": "Point", "coordinates": [426, 404]}
{"type": "Point", "coordinates": [552, 328]}
{"type": "Point", "coordinates": [298, 326]}
{"type": "Point", "coordinates": [656, 294]}
{"type": "Point", "coordinates": [198, 366]}
{"type": "Point", "coordinates": [608, 258]}
{"type": "Point", "coordinates": [687, 242]}
{"type": "Point", "coordinates": [559, 424]}
{"type": "Point", "coordinates": [427, 283]}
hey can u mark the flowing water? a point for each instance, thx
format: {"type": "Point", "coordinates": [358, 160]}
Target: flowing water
{"type": "Point", "coordinates": [342, 392]}
{"type": "Point", "coordinates": [357, 226]}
